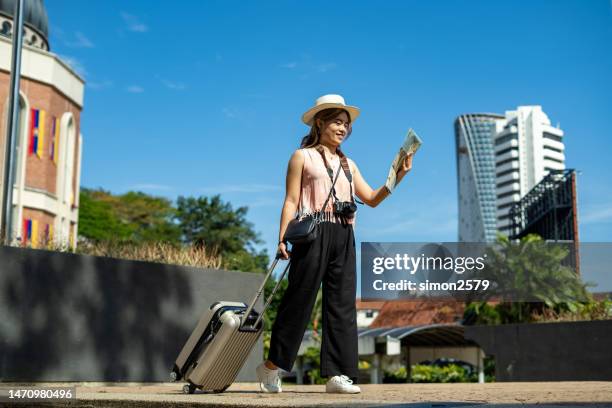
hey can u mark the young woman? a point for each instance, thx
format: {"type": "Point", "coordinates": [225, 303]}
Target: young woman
{"type": "Point", "coordinates": [330, 259]}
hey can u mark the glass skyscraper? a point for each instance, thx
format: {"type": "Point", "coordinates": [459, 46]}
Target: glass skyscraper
{"type": "Point", "coordinates": [476, 176]}
{"type": "Point", "coordinates": [500, 158]}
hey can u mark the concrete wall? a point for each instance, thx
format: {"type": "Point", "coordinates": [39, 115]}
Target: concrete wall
{"type": "Point", "coordinates": [568, 351]}
{"type": "Point", "coordinates": [66, 317]}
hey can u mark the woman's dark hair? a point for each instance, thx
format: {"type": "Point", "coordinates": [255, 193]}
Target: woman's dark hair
{"type": "Point", "coordinates": [312, 138]}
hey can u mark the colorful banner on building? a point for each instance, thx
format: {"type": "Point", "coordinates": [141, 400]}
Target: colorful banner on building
{"type": "Point", "coordinates": [37, 132]}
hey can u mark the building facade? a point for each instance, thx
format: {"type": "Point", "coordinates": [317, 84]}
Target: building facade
{"type": "Point", "coordinates": [476, 176]}
{"type": "Point", "coordinates": [47, 156]}
{"type": "Point", "coordinates": [500, 158]}
{"type": "Point", "coordinates": [527, 147]}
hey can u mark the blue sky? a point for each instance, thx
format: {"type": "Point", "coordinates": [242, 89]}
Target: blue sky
{"type": "Point", "coordinates": [205, 97]}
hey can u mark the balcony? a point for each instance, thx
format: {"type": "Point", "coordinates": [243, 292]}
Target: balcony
{"type": "Point", "coordinates": [509, 199]}
{"type": "Point", "coordinates": [508, 188]}
{"type": "Point", "coordinates": [507, 177]}
{"type": "Point", "coordinates": [505, 145]}
{"type": "Point", "coordinates": [507, 166]}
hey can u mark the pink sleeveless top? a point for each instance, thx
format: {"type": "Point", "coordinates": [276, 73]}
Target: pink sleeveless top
{"type": "Point", "coordinates": [316, 185]}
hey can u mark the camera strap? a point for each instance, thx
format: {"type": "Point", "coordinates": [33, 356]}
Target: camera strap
{"type": "Point", "coordinates": [330, 172]}
{"type": "Point", "coordinates": [345, 166]}
{"type": "Point", "coordinates": [329, 195]}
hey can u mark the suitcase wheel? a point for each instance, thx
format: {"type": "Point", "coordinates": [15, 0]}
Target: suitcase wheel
{"type": "Point", "coordinates": [189, 388]}
{"type": "Point", "coordinates": [221, 390]}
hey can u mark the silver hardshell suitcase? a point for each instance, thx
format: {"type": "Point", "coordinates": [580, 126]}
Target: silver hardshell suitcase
{"type": "Point", "coordinates": [221, 342]}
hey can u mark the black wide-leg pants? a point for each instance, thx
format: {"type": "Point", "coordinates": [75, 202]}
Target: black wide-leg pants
{"type": "Point", "coordinates": [330, 259]}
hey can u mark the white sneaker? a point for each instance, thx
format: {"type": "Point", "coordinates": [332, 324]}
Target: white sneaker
{"type": "Point", "coordinates": [341, 384]}
{"type": "Point", "coordinates": [269, 380]}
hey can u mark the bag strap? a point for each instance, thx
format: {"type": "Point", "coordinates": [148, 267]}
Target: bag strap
{"type": "Point", "coordinates": [343, 163]}
{"type": "Point", "coordinates": [330, 194]}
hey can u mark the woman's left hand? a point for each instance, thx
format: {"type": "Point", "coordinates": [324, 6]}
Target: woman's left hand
{"type": "Point", "coordinates": [405, 168]}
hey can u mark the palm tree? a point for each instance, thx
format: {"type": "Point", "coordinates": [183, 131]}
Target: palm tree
{"type": "Point", "coordinates": [529, 275]}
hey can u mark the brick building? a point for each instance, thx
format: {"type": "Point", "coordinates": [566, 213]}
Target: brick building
{"type": "Point", "coordinates": [47, 157]}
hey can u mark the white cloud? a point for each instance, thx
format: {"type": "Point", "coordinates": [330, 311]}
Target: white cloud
{"type": "Point", "coordinates": [147, 187]}
{"type": "Point", "coordinates": [417, 223]}
{"type": "Point", "coordinates": [133, 23]}
{"type": "Point", "coordinates": [305, 66]}
{"type": "Point", "coordinates": [597, 214]}
{"type": "Point", "coordinates": [230, 113]}
{"type": "Point", "coordinates": [256, 96]}
{"type": "Point", "coordinates": [426, 219]}
{"type": "Point", "coordinates": [326, 67]}
{"type": "Point", "coordinates": [176, 86]}
{"type": "Point", "coordinates": [80, 41]}
{"type": "Point", "coordinates": [265, 202]}
{"type": "Point", "coordinates": [135, 89]}
{"type": "Point", "coordinates": [99, 85]}
{"type": "Point", "coordinates": [75, 64]}
{"type": "Point", "coordinates": [240, 188]}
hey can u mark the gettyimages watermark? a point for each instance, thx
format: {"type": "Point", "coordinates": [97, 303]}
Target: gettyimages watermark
{"type": "Point", "coordinates": [532, 271]}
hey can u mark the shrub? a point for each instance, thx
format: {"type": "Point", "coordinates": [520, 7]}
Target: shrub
{"type": "Point", "coordinates": [434, 374]}
{"type": "Point", "coordinates": [393, 377]}
{"type": "Point", "coordinates": [312, 357]}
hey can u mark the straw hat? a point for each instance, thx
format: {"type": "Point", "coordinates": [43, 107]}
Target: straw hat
{"type": "Point", "coordinates": [326, 102]}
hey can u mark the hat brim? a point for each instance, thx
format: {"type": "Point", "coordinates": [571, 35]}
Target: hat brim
{"type": "Point", "coordinates": [308, 117]}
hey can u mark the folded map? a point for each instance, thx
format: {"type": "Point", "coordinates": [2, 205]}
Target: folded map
{"type": "Point", "coordinates": [411, 145]}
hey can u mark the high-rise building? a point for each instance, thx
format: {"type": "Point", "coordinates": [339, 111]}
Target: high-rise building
{"type": "Point", "coordinates": [476, 176]}
{"type": "Point", "coordinates": [526, 148]}
{"type": "Point", "coordinates": [499, 160]}
{"type": "Point", "coordinates": [47, 155]}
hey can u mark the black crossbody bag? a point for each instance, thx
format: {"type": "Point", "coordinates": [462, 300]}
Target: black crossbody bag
{"type": "Point", "coordinates": [307, 229]}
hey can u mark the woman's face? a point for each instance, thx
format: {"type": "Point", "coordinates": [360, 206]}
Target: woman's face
{"type": "Point", "coordinates": [336, 130]}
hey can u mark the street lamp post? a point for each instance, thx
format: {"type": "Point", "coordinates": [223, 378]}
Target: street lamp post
{"type": "Point", "coordinates": [13, 116]}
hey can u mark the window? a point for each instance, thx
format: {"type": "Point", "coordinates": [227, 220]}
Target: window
{"type": "Point", "coordinates": [507, 150]}
{"type": "Point", "coordinates": [501, 163]}
{"type": "Point", "coordinates": [503, 173]}
{"type": "Point", "coordinates": [509, 193]}
{"type": "Point", "coordinates": [551, 136]}
{"type": "Point", "coordinates": [505, 183]}
{"type": "Point", "coordinates": [6, 28]}
{"type": "Point", "coordinates": [554, 149]}
{"type": "Point", "coordinates": [506, 138]}
{"type": "Point", "coordinates": [553, 159]}
{"type": "Point", "coordinates": [54, 141]}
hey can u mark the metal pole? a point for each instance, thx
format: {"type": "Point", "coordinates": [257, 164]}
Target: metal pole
{"type": "Point", "coordinates": [13, 117]}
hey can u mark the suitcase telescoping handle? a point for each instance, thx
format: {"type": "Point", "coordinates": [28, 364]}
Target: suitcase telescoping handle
{"type": "Point", "coordinates": [261, 289]}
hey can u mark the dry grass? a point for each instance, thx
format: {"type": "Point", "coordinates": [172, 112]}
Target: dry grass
{"type": "Point", "coordinates": [593, 310]}
{"type": "Point", "coordinates": [159, 252]}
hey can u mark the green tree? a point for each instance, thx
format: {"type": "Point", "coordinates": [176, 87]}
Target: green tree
{"type": "Point", "coordinates": [133, 216]}
{"type": "Point", "coordinates": [530, 276]}
{"type": "Point", "coordinates": [98, 220]}
{"type": "Point", "coordinates": [150, 218]}
{"type": "Point", "coordinates": [216, 224]}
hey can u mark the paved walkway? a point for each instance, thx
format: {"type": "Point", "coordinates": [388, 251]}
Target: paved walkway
{"type": "Point", "coordinates": [506, 395]}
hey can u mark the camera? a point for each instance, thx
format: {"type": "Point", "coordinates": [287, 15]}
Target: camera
{"type": "Point", "coordinates": [345, 208]}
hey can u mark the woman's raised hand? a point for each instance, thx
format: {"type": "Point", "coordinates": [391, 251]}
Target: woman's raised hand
{"type": "Point", "coordinates": [405, 168]}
